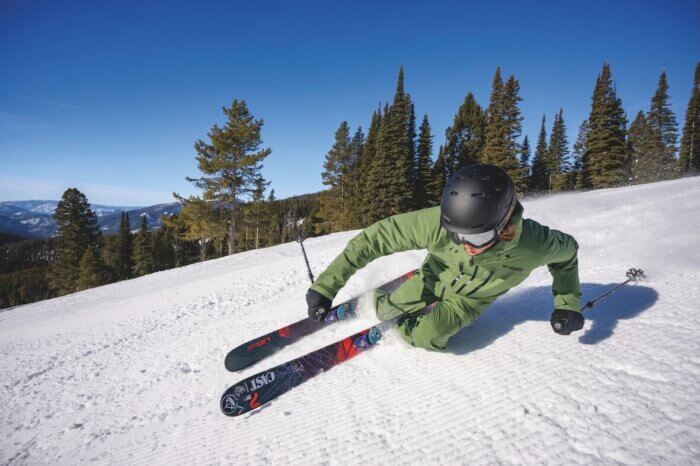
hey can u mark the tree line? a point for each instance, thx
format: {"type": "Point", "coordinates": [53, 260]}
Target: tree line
{"type": "Point", "coordinates": [389, 170]}
{"type": "Point", "coordinates": [79, 256]}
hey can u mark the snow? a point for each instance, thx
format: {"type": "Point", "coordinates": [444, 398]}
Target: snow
{"type": "Point", "coordinates": [101, 212]}
{"type": "Point", "coordinates": [132, 372]}
{"type": "Point", "coordinates": [33, 221]}
{"type": "Point", "coordinates": [41, 207]}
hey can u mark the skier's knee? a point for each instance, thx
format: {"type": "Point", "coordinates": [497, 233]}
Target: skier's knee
{"type": "Point", "coordinates": [384, 309]}
{"type": "Point", "coordinates": [422, 333]}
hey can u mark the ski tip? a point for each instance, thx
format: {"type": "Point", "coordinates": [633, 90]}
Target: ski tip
{"type": "Point", "coordinates": [243, 356]}
{"type": "Point", "coordinates": [234, 363]}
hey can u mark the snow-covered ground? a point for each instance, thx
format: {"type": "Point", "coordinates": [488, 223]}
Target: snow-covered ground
{"type": "Point", "coordinates": [132, 372]}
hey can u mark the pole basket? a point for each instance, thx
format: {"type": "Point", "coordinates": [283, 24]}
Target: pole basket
{"type": "Point", "coordinates": [635, 274]}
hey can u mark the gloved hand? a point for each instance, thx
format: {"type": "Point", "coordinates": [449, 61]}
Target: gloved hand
{"type": "Point", "coordinates": [318, 304]}
{"type": "Point", "coordinates": [564, 322]}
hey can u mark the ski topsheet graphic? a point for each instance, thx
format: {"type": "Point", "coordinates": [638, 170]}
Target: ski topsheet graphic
{"type": "Point", "coordinates": [256, 390]}
{"type": "Point", "coordinates": [263, 346]}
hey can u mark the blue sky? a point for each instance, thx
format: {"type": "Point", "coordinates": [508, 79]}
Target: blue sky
{"type": "Point", "coordinates": [110, 96]}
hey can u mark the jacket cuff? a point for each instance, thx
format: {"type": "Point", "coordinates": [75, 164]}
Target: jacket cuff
{"type": "Point", "coordinates": [323, 290]}
{"type": "Point", "coordinates": [567, 302]}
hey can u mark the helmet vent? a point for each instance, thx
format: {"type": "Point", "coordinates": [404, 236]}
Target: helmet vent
{"type": "Point", "coordinates": [478, 194]}
{"type": "Point", "coordinates": [454, 193]}
{"type": "Point", "coordinates": [484, 178]}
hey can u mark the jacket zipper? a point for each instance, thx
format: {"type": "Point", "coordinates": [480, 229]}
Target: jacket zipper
{"type": "Point", "coordinates": [471, 279]}
{"type": "Point", "coordinates": [459, 275]}
{"type": "Point", "coordinates": [481, 284]}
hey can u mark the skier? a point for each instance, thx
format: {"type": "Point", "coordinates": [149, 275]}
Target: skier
{"type": "Point", "coordinates": [479, 247]}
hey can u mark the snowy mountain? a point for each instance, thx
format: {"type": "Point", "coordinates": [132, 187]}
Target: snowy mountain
{"type": "Point", "coordinates": [49, 207]}
{"type": "Point", "coordinates": [21, 222]}
{"type": "Point", "coordinates": [110, 222]}
{"type": "Point", "coordinates": [132, 372]}
{"type": "Point", "coordinates": [34, 219]}
{"type": "Point", "coordinates": [37, 207]}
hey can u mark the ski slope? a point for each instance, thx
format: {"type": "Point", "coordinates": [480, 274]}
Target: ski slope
{"type": "Point", "coordinates": [132, 373]}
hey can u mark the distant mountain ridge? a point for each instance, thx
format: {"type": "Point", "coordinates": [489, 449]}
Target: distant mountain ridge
{"type": "Point", "coordinates": [49, 207]}
{"type": "Point", "coordinates": [109, 223]}
{"type": "Point", "coordinates": [34, 218]}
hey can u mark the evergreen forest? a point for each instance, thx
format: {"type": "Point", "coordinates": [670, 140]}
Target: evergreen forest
{"type": "Point", "coordinates": [395, 164]}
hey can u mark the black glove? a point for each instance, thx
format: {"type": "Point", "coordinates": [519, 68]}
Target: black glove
{"type": "Point", "coordinates": [319, 305]}
{"type": "Point", "coordinates": [564, 322]}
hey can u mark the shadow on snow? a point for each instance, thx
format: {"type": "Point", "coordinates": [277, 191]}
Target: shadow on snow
{"type": "Point", "coordinates": [536, 304]}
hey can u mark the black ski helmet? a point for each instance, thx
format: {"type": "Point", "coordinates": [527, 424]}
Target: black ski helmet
{"type": "Point", "coordinates": [476, 204]}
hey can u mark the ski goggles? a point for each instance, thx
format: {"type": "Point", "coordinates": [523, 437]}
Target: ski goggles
{"type": "Point", "coordinates": [480, 240]}
{"type": "Point", "coordinates": [475, 240]}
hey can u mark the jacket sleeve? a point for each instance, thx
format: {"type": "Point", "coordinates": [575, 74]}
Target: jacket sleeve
{"type": "Point", "coordinates": [403, 232]}
{"type": "Point", "coordinates": [560, 257]}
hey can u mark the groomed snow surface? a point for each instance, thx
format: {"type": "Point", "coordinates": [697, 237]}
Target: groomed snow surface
{"type": "Point", "coordinates": [132, 373]}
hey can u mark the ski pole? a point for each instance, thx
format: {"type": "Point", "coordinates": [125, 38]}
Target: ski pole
{"type": "Point", "coordinates": [303, 251]}
{"type": "Point", "coordinates": [632, 276]}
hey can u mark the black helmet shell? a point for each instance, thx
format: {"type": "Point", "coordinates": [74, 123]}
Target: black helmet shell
{"type": "Point", "coordinates": [476, 198]}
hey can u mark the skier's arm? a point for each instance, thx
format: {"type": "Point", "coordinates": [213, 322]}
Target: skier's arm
{"type": "Point", "coordinates": [560, 257]}
{"type": "Point", "coordinates": [403, 232]}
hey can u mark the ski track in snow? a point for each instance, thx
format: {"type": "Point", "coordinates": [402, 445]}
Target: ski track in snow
{"type": "Point", "coordinates": [133, 372]}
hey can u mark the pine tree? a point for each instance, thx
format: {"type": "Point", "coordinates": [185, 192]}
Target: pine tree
{"type": "Point", "coordinates": [558, 155]}
{"type": "Point", "coordinates": [143, 250]}
{"type": "Point", "coordinates": [231, 162]}
{"type": "Point", "coordinates": [185, 251]}
{"type": "Point", "coordinates": [494, 146]}
{"type": "Point", "coordinates": [201, 222]}
{"type": "Point", "coordinates": [438, 179]}
{"type": "Point", "coordinates": [412, 152]}
{"type": "Point", "coordinates": [358, 171]}
{"type": "Point", "coordinates": [77, 230]}
{"type": "Point", "coordinates": [163, 248]}
{"type": "Point", "coordinates": [689, 160]}
{"type": "Point", "coordinates": [92, 270]}
{"type": "Point", "coordinates": [274, 219]}
{"type": "Point", "coordinates": [371, 176]}
{"type": "Point", "coordinates": [579, 152]}
{"type": "Point", "coordinates": [258, 207]}
{"type": "Point", "coordinates": [539, 178]}
{"type": "Point", "coordinates": [108, 249]}
{"type": "Point", "coordinates": [504, 128]}
{"type": "Point", "coordinates": [465, 138]}
{"type": "Point", "coordinates": [646, 163]}
{"type": "Point", "coordinates": [423, 168]}
{"type": "Point", "coordinates": [525, 157]}
{"type": "Point", "coordinates": [662, 123]}
{"type": "Point", "coordinates": [604, 162]}
{"type": "Point", "coordinates": [337, 175]}
{"type": "Point", "coordinates": [513, 120]}
{"type": "Point", "coordinates": [124, 263]}
{"type": "Point", "coordinates": [394, 155]}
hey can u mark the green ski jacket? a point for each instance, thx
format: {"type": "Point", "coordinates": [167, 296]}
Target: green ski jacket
{"type": "Point", "coordinates": [466, 284]}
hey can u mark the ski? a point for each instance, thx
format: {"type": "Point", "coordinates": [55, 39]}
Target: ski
{"type": "Point", "coordinates": [259, 348]}
{"type": "Point", "coordinates": [263, 387]}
